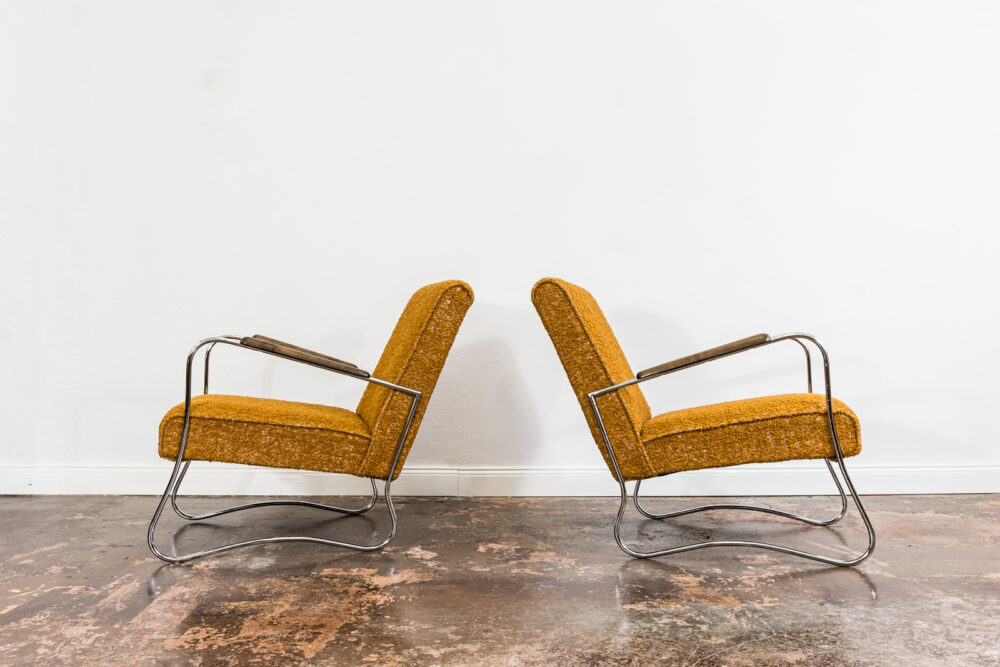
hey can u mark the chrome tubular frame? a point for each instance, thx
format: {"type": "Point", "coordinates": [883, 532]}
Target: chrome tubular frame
{"type": "Point", "coordinates": [181, 467]}
{"type": "Point", "coordinates": [798, 338]}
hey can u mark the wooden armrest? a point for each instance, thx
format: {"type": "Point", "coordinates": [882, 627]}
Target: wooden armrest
{"type": "Point", "coordinates": [303, 355]}
{"type": "Point", "coordinates": [707, 355]}
{"type": "Point", "coordinates": [275, 341]}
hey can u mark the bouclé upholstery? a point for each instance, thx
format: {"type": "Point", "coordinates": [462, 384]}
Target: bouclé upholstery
{"type": "Point", "coordinates": [756, 430]}
{"type": "Point", "coordinates": [267, 432]}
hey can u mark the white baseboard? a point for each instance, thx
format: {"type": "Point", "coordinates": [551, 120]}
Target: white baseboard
{"type": "Point", "coordinates": [799, 478]}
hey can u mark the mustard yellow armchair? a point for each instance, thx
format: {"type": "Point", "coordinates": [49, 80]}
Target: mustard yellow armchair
{"type": "Point", "coordinates": [637, 445]}
{"type": "Point", "coordinates": [372, 441]}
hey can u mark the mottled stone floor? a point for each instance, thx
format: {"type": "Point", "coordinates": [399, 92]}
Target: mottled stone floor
{"type": "Point", "coordinates": [498, 582]}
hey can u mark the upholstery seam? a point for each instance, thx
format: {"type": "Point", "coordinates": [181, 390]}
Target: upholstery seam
{"type": "Point", "coordinates": [409, 358]}
{"type": "Point", "coordinates": [730, 465]}
{"type": "Point", "coordinates": [854, 423]}
{"type": "Point", "coordinates": [406, 366]}
{"type": "Point", "coordinates": [617, 397]}
{"type": "Point", "coordinates": [279, 467]}
{"type": "Point", "coordinates": [257, 423]}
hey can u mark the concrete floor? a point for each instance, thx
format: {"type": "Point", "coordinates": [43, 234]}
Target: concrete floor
{"type": "Point", "coordinates": [498, 582]}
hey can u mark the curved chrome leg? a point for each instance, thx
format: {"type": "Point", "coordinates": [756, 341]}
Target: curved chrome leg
{"type": "Point", "coordinates": [744, 543]}
{"type": "Point", "coordinates": [181, 466]}
{"type": "Point", "coordinates": [171, 489]}
{"type": "Point", "coordinates": [788, 515]}
{"type": "Point", "coordinates": [755, 508]}
{"type": "Point", "coordinates": [265, 503]}
{"type": "Point", "coordinates": [829, 560]}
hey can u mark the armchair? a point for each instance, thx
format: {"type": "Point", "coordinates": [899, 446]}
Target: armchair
{"type": "Point", "coordinates": [637, 445]}
{"type": "Point", "coordinates": [372, 441]}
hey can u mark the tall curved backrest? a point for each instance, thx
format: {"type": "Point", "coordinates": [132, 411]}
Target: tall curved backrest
{"type": "Point", "coordinates": [413, 358]}
{"type": "Point", "coordinates": [593, 360]}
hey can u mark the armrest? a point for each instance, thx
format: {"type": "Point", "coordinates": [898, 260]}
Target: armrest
{"type": "Point", "coordinates": [301, 354]}
{"type": "Point", "coordinates": [282, 343]}
{"type": "Point", "coordinates": [706, 355]}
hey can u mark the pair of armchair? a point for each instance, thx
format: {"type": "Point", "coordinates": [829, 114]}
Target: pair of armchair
{"type": "Point", "coordinates": [373, 440]}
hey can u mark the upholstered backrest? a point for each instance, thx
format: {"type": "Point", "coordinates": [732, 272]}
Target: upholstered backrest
{"type": "Point", "coordinates": [593, 360]}
{"type": "Point", "coordinates": [413, 357]}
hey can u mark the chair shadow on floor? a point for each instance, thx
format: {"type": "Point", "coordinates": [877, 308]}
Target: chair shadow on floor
{"type": "Point", "coordinates": [302, 525]}
{"type": "Point", "coordinates": [731, 560]}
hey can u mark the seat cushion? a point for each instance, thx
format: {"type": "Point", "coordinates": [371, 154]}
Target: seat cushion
{"type": "Point", "coordinates": [754, 430]}
{"type": "Point", "coordinates": [266, 432]}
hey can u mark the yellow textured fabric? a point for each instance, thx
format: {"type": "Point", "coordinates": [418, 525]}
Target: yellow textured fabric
{"type": "Point", "coordinates": [757, 430]}
{"type": "Point", "coordinates": [753, 430]}
{"type": "Point", "coordinates": [282, 434]}
{"type": "Point", "coordinates": [266, 432]}
{"type": "Point", "coordinates": [593, 360]}
{"type": "Point", "coordinates": [413, 357]}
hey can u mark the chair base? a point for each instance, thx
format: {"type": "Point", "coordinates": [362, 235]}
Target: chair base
{"type": "Point", "coordinates": [838, 457]}
{"type": "Point", "coordinates": [180, 470]}
{"type": "Point", "coordinates": [829, 560]}
{"type": "Point", "coordinates": [181, 467]}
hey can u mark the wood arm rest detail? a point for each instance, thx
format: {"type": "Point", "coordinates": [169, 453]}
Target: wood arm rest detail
{"type": "Point", "coordinates": [275, 341]}
{"type": "Point", "coordinates": [706, 355]}
{"type": "Point", "coordinates": [276, 347]}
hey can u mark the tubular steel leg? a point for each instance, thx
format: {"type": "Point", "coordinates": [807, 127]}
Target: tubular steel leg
{"type": "Point", "coordinates": [181, 466]}
{"type": "Point", "coordinates": [768, 510]}
{"type": "Point", "coordinates": [265, 503]}
{"type": "Point", "coordinates": [172, 487]}
{"type": "Point", "coordinates": [829, 560]}
{"type": "Point", "coordinates": [755, 508]}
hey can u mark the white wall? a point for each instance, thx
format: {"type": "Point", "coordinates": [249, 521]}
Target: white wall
{"type": "Point", "coordinates": [170, 171]}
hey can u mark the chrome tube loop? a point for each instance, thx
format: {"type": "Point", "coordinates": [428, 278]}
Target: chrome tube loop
{"type": "Point", "coordinates": [267, 503]}
{"type": "Point", "coordinates": [181, 466]}
{"type": "Point", "coordinates": [839, 458]}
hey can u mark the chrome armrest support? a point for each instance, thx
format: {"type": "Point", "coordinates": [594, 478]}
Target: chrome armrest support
{"type": "Point", "coordinates": [717, 353]}
{"type": "Point", "coordinates": [280, 343]}
{"type": "Point", "coordinates": [706, 355]}
{"type": "Point", "coordinates": [341, 368]}
{"type": "Point", "coordinates": [302, 355]}
{"type": "Point", "coordinates": [742, 345]}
